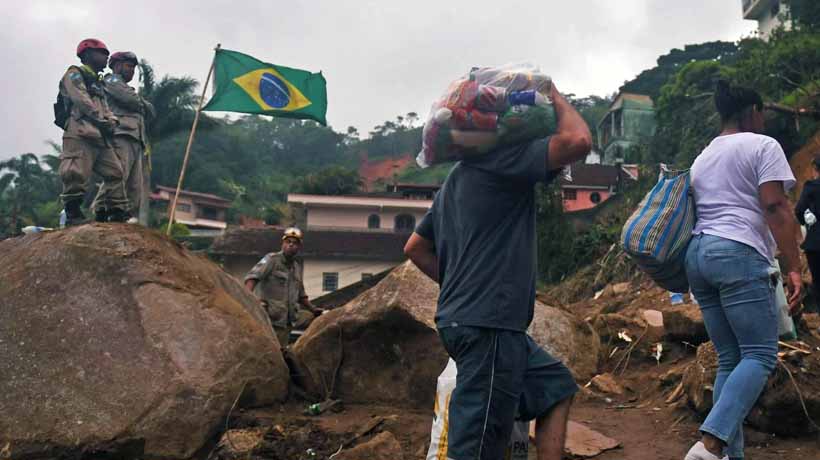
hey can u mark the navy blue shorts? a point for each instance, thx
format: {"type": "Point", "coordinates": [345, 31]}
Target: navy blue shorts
{"type": "Point", "coordinates": [502, 376]}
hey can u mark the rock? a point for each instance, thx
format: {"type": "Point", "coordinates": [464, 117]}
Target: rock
{"type": "Point", "coordinates": [653, 318]}
{"type": "Point", "coordinates": [620, 288]}
{"type": "Point", "coordinates": [778, 409]}
{"type": "Point", "coordinates": [382, 446]}
{"type": "Point", "coordinates": [606, 383]}
{"type": "Point", "coordinates": [117, 340]}
{"type": "Point", "coordinates": [584, 442]}
{"type": "Point", "coordinates": [568, 338]}
{"type": "Point", "coordinates": [386, 349]}
{"type": "Point", "coordinates": [684, 323]}
{"type": "Point", "coordinates": [384, 344]}
{"type": "Point", "coordinates": [239, 443]}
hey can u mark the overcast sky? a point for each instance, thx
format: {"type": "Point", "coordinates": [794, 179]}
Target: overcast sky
{"type": "Point", "coordinates": [380, 58]}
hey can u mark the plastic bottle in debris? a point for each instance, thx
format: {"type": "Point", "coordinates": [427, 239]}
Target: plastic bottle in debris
{"type": "Point", "coordinates": [676, 298]}
{"type": "Point", "coordinates": [63, 218]}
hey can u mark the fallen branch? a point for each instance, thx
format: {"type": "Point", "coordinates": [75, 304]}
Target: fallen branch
{"type": "Point", "coordinates": [799, 394]}
{"type": "Point", "coordinates": [366, 429]}
{"type": "Point", "coordinates": [802, 111]}
{"type": "Point", "coordinates": [228, 417]}
{"type": "Point", "coordinates": [629, 352]}
{"type": "Point", "coordinates": [792, 347]}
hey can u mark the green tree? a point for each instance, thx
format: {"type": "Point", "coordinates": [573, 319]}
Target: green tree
{"type": "Point", "coordinates": [805, 13]}
{"type": "Point", "coordinates": [335, 180]}
{"type": "Point", "coordinates": [650, 81]}
{"type": "Point", "coordinates": [687, 119]}
{"type": "Point", "coordinates": [25, 188]}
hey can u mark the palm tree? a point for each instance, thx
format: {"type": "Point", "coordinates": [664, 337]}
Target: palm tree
{"type": "Point", "coordinates": [175, 103]}
{"type": "Point", "coordinates": [25, 185]}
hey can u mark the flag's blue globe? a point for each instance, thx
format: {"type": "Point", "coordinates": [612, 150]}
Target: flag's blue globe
{"type": "Point", "coordinates": [273, 91]}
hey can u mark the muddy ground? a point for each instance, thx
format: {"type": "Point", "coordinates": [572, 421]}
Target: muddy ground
{"type": "Point", "coordinates": [647, 427]}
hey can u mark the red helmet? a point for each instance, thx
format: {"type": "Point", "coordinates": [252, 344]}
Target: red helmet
{"type": "Point", "coordinates": [91, 43]}
{"type": "Point", "coordinates": [125, 56]}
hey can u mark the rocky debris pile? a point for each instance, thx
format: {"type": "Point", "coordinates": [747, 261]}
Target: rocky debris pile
{"type": "Point", "coordinates": [383, 346]}
{"type": "Point", "coordinates": [116, 340]}
{"type": "Point", "coordinates": [779, 409]}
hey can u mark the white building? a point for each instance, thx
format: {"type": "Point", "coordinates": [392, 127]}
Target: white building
{"type": "Point", "coordinates": [347, 238]}
{"type": "Point", "coordinates": [769, 14]}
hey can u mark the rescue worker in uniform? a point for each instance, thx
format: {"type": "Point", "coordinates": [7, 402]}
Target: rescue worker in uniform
{"type": "Point", "coordinates": [87, 138]}
{"type": "Point", "coordinates": [130, 139]}
{"type": "Point", "coordinates": [277, 281]}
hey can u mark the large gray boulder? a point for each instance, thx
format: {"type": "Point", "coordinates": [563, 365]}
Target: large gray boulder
{"type": "Point", "coordinates": [383, 345]}
{"type": "Point", "coordinates": [117, 340]}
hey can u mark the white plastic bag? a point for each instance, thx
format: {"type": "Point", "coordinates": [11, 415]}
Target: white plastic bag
{"type": "Point", "coordinates": [809, 218]}
{"type": "Point", "coordinates": [518, 447]}
{"type": "Point", "coordinates": [785, 323]}
{"type": "Point", "coordinates": [487, 108]}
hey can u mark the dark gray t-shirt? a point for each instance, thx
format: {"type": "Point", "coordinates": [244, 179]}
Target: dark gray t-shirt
{"type": "Point", "coordinates": [482, 223]}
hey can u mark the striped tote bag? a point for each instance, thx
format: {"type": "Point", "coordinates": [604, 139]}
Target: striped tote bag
{"type": "Point", "coordinates": [658, 232]}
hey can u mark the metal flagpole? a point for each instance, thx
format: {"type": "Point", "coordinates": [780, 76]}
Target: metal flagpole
{"type": "Point", "coordinates": [190, 142]}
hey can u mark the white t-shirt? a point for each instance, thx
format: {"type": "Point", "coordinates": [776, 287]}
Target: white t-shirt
{"type": "Point", "coordinates": [726, 178]}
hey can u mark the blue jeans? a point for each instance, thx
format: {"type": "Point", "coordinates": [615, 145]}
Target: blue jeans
{"type": "Point", "coordinates": [731, 282]}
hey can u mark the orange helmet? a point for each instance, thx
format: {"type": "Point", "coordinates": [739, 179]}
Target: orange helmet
{"type": "Point", "coordinates": [91, 43]}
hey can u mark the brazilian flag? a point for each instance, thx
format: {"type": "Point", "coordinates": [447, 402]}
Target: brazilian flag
{"type": "Point", "coordinates": [247, 85]}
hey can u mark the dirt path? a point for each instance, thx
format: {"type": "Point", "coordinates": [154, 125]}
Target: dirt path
{"type": "Point", "coordinates": [645, 434]}
{"type": "Point", "coordinates": [648, 434]}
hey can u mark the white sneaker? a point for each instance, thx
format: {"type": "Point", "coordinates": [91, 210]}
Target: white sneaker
{"type": "Point", "coordinates": [699, 452]}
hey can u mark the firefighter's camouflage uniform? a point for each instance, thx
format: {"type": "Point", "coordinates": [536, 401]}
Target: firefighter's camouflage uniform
{"type": "Point", "coordinates": [279, 285]}
{"type": "Point", "coordinates": [130, 139]}
{"type": "Point", "coordinates": [87, 141]}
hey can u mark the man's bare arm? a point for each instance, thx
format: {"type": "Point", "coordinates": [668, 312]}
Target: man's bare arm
{"type": "Point", "coordinates": [572, 140]}
{"type": "Point", "coordinates": [250, 285]}
{"type": "Point", "coordinates": [423, 254]}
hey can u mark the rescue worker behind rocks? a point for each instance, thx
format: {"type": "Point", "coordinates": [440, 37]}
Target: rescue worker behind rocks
{"type": "Point", "coordinates": [82, 112]}
{"type": "Point", "coordinates": [130, 139]}
{"type": "Point", "coordinates": [277, 281]}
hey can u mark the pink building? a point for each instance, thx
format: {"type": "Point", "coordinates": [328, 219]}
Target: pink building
{"type": "Point", "coordinates": [592, 184]}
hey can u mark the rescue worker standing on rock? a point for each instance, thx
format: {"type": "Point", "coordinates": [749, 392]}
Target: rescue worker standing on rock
{"type": "Point", "coordinates": [82, 112]}
{"type": "Point", "coordinates": [130, 139]}
{"type": "Point", "coordinates": [277, 281]}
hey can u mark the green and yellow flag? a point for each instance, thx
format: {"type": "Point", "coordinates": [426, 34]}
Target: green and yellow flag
{"type": "Point", "coordinates": [248, 85]}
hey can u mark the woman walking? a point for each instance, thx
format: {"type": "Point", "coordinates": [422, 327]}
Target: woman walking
{"type": "Point", "coordinates": [743, 215]}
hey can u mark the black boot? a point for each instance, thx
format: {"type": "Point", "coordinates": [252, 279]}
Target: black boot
{"type": "Point", "coordinates": [74, 214]}
{"type": "Point", "coordinates": [101, 215]}
{"type": "Point", "coordinates": [119, 215]}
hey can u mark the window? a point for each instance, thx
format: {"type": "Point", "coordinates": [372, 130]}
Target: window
{"type": "Point", "coordinates": [595, 197]}
{"type": "Point", "coordinates": [374, 221]}
{"type": "Point", "coordinates": [207, 212]}
{"type": "Point", "coordinates": [366, 276]}
{"type": "Point", "coordinates": [183, 207]}
{"type": "Point", "coordinates": [330, 281]}
{"type": "Point", "coordinates": [570, 195]}
{"type": "Point", "coordinates": [405, 223]}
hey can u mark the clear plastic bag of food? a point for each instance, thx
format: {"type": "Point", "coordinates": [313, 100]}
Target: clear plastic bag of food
{"type": "Point", "coordinates": [489, 107]}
